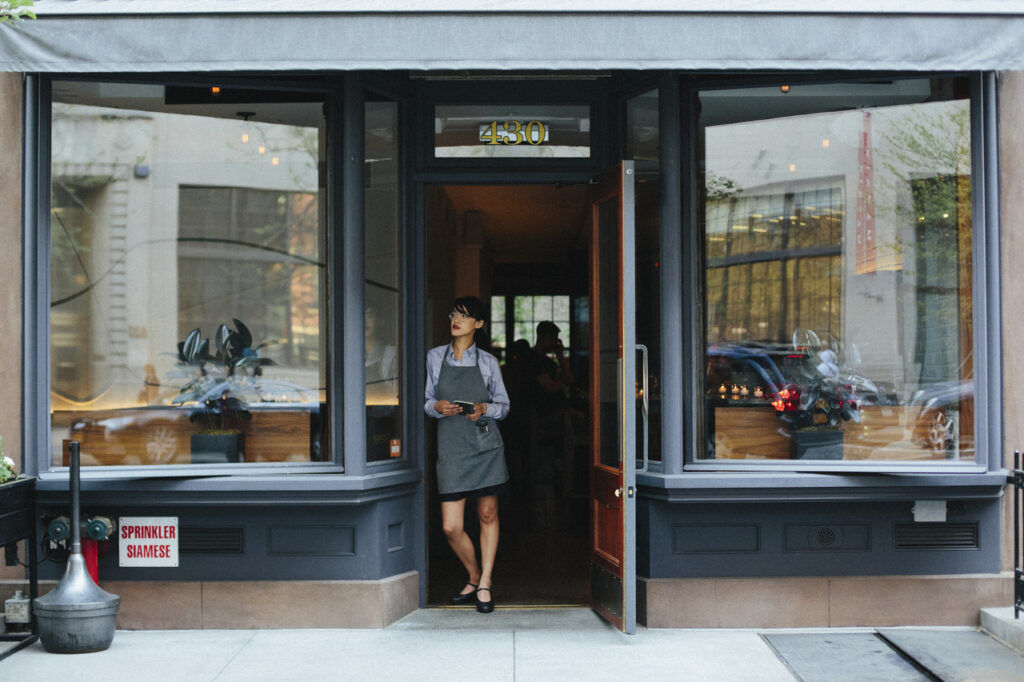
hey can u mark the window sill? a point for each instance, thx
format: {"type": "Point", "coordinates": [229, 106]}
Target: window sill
{"type": "Point", "coordinates": [793, 486]}
{"type": "Point", "coordinates": [196, 489]}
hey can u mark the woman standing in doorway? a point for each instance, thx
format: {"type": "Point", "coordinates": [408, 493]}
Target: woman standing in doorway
{"type": "Point", "coordinates": [466, 393]}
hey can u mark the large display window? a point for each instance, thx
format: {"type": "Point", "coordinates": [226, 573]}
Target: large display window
{"type": "Point", "coordinates": [383, 267]}
{"type": "Point", "coordinates": [838, 284]}
{"type": "Point", "coordinates": [187, 274]}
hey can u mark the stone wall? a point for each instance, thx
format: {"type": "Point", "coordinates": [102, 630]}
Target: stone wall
{"type": "Point", "coordinates": [10, 279]}
{"type": "Point", "coordinates": [1011, 171]}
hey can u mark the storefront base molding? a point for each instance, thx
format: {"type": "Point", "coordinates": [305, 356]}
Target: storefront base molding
{"type": "Point", "coordinates": [228, 605]}
{"type": "Point", "coordinates": [881, 601]}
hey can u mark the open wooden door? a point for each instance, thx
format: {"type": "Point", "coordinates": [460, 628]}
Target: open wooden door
{"type": "Point", "coordinates": [613, 399]}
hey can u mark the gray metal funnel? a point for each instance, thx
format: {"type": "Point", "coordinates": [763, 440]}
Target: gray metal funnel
{"type": "Point", "coordinates": [76, 616]}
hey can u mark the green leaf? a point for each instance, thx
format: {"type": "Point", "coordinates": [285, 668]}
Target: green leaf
{"type": "Point", "coordinates": [245, 336]}
{"type": "Point", "coordinates": [222, 336]}
{"type": "Point", "coordinates": [191, 345]}
{"type": "Point", "coordinates": [203, 353]}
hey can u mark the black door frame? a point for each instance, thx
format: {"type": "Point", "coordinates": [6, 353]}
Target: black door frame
{"type": "Point", "coordinates": [607, 95]}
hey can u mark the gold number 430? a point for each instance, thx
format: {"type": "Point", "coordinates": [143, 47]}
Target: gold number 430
{"type": "Point", "coordinates": [514, 132]}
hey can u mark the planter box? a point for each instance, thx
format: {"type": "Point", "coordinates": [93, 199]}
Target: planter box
{"type": "Point", "coordinates": [17, 522]}
{"type": "Point", "coordinates": [810, 444]}
{"type": "Point", "coordinates": [217, 448]}
{"type": "Point", "coordinates": [17, 507]}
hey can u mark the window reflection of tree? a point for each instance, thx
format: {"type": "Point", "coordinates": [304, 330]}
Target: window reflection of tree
{"type": "Point", "coordinates": [942, 275]}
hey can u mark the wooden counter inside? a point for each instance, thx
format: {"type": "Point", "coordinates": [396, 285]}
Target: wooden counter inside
{"type": "Point", "coordinates": [162, 435]}
{"type": "Point", "coordinates": [884, 433]}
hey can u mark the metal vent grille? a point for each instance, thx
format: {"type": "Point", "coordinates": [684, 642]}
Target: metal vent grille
{"type": "Point", "coordinates": [211, 541]}
{"type": "Point", "coordinates": [920, 536]}
{"type": "Point", "coordinates": [826, 537]}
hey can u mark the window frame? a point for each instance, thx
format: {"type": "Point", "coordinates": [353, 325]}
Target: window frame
{"type": "Point", "coordinates": [985, 282]}
{"type": "Point", "coordinates": [36, 332]}
{"type": "Point", "coordinates": [409, 410]}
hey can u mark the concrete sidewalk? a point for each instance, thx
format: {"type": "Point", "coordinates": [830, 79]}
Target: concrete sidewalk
{"type": "Point", "coordinates": [459, 644]}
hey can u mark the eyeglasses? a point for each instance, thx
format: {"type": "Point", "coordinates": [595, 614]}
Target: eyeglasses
{"type": "Point", "coordinates": [460, 315]}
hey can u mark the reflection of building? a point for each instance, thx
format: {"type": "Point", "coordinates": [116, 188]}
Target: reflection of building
{"type": "Point", "coordinates": [177, 251]}
{"type": "Point", "coordinates": [781, 184]}
{"type": "Point", "coordinates": [774, 264]}
{"type": "Point", "coordinates": [871, 246]}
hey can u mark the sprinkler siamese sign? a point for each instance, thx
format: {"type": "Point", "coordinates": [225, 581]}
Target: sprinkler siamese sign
{"type": "Point", "coordinates": [148, 540]}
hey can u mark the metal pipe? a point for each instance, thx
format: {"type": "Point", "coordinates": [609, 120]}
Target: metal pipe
{"type": "Point", "coordinates": [76, 616]}
{"type": "Point", "coordinates": [75, 483]}
{"type": "Point", "coordinates": [1014, 477]}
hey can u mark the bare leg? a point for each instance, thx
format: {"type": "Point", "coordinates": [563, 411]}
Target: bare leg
{"type": "Point", "coordinates": [452, 514]}
{"type": "Point", "coordinates": [487, 511]}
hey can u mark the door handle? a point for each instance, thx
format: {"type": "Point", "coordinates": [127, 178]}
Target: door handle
{"type": "Point", "coordinates": [645, 387]}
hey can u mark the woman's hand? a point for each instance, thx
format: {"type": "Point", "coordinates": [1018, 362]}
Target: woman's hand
{"type": "Point", "coordinates": [479, 409]}
{"type": "Point", "coordinates": [447, 408]}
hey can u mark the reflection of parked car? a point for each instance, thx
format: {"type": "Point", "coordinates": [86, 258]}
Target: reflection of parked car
{"type": "Point", "coordinates": [942, 405]}
{"type": "Point", "coordinates": [806, 386]}
{"type": "Point", "coordinates": [770, 368]}
{"type": "Point", "coordinates": [781, 373]}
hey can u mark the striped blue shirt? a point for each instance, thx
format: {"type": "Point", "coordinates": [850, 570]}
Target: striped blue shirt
{"type": "Point", "coordinates": [497, 407]}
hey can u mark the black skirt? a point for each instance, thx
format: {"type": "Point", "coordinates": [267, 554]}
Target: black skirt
{"type": "Point", "coordinates": [499, 489]}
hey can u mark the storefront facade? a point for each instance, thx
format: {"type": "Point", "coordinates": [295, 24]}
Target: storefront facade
{"type": "Point", "coordinates": [782, 270]}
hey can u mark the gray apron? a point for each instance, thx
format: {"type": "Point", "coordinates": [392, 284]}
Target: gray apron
{"type": "Point", "coordinates": [471, 454]}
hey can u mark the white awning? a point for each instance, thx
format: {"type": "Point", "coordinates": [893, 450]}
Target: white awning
{"type": "Point", "coordinates": [92, 36]}
{"type": "Point", "coordinates": [128, 7]}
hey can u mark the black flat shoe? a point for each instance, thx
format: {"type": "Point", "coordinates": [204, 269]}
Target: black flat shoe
{"type": "Point", "coordinates": [484, 606]}
{"type": "Point", "coordinates": [468, 598]}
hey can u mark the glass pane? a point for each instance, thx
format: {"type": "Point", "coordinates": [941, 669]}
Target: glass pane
{"type": "Point", "coordinates": [499, 338]}
{"type": "Point", "coordinates": [643, 140]}
{"type": "Point", "coordinates": [529, 311]}
{"type": "Point", "coordinates": [542, 308]}
{"type": "Point", "coordinates": [838, 248]}
{"type": "Point", "coordinates": [187, 274]}
{"type": "Point", "coordinates": [513, 131]}
{"type": "Point", "coordinates": [560, 309]}
{"type": "Point", "coordinates": [383, 283]}
{"type": "Point", "coordinates": [525, 329]}
{"type": "Point", "coordinates": [608, 388]}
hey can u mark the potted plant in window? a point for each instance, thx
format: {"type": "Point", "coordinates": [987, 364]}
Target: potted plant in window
{"type": "Point", "coordinates": [817, 401]}
{"type": "Point", "coordinates": [215, 385]}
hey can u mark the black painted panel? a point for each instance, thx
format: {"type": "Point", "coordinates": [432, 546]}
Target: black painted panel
{"type": "Point", "coordinates": [312, 540]}
{"type": "Point", "coordinates": [360, 551]}
{"type": "Point", "coordinates": [829, 538]}
{"type": "Point", "coordinates": [818, 537]}
{"type": "Point", "coordinates": [701, 539]}
{"type": "Point", "coordinates": [396, 536]}
{"type": "Point", "coordinates": [606, 590]}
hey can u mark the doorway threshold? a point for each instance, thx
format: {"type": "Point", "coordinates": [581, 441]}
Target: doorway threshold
{"type": "Point", "coordinates": [504, 618]}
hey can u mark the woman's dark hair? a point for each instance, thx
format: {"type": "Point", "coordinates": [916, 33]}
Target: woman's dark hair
{"type": "Point", "coordinates": [472, 306]}
{"type": "Point", "coordinates": [475, 308]}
